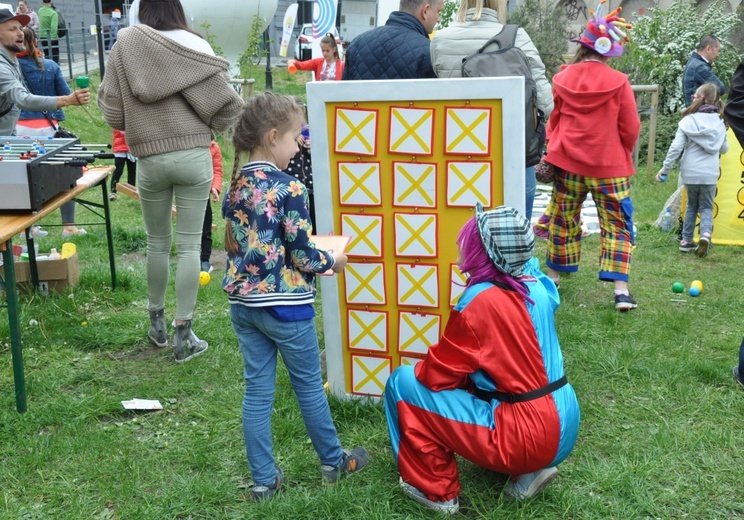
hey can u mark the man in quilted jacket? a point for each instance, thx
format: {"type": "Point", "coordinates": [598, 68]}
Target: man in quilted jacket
{"type": "Point", "coordinates": [698, 68]}
{"type": "Point", "coordinates": [400, 48]}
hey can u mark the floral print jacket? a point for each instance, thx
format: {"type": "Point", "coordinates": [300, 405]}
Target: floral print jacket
{"type": "Point", "coordinates": [275, 262]}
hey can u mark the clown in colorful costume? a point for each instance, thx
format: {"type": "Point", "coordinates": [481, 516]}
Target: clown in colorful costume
{"type": "Point", "coordinates": [495, 339]}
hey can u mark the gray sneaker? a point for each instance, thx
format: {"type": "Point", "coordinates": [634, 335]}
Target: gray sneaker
{"type": "Point", "coordinates": [449, 507]}
{"type": "Point", "coordinates": [353, 461]}
{"type": "Point", "coordinates": [702, 248]}
{"type": "Point", "coordinates": [157, 333]}
{"type": "Point", "coordinates": [260, 492]}
{"type": "Point", "coordinates": [530, 484]}
{"type": "Point", "coordinates": [185, 343]}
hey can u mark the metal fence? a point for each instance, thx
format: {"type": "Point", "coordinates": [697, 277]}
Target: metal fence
{"type": "Point", "coordinates": [78, 52]}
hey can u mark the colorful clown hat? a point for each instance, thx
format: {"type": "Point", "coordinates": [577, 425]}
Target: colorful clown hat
{"type": "Point", "coordinates": [604, 34]}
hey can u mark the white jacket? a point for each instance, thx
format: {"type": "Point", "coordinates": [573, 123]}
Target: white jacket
{"type": "Point", "coordinates": [701, 138]}
{"type": "Point", "coordinates": [450, 45]}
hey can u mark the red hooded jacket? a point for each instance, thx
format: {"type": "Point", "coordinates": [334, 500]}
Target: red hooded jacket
{"type": "Point", "coordinates": [594, 125]}
{"type": "Point", "coordinates": [120, 142]}
{"type": "Point", "coordinates": [214, 149]}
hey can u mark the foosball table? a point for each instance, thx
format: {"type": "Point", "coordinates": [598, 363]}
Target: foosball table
{"type": "Point", "coordinates": [34, 169]}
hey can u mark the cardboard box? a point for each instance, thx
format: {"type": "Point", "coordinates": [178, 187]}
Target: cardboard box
{"type": "Point", "coordinates": [56, 274]}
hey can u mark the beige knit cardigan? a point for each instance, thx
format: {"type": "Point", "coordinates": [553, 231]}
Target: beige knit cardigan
{"type": "Point", "coordinates": [166, 96]}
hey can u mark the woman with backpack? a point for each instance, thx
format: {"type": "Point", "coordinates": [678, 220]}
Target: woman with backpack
{"type": "Point", "coordinates": [477, 22]}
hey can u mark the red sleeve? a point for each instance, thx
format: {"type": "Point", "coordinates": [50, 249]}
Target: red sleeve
{"type": "Point", "coordinates": [214, 148]}
{"type": "Point", "coordinates": [314, 64]}
{"type": "Point", "coordinates": [629, 124]}
{"type": "Point", "coordinates": [339, 69]}
{"type": "Point", "coordinates": [449, 363]}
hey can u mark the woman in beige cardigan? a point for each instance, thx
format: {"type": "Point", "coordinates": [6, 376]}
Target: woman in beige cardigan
{"type": "Point", "coordinates": [477, 22]}
{"type": "Point", "coordinates": [167, 89]}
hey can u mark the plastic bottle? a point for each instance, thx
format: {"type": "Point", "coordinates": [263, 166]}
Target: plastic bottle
{"type": "Point", "coordinates": [666, 221]}
{"type": "Point", "coordinates": [54, 255]}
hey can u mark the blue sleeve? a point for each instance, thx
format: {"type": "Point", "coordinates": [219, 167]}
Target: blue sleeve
{"type": "Point", "coordinates": [705, 75]}
{"type": "Point", "coordinates": [297, 230]}
{"type": "Point", "coordinates": [60, 85]}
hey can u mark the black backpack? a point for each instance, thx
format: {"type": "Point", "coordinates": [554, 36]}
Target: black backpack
{"type": "Point", "coordinates": [509, 60]}
{"type": "Point", "coordinates": [61, 25]}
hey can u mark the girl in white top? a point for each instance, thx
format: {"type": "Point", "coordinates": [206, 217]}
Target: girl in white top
{"type": "Point", "coordinates": [700, 139]}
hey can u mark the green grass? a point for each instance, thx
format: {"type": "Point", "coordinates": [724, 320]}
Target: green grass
{"type": "Point", "coordinates": [661, 433]}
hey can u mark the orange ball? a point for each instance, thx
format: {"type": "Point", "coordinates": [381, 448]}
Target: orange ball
{"type": "Point", "coordinates": [291, 68]}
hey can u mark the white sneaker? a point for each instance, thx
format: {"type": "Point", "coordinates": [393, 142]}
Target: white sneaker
{"type": "Point", "coordinates": [449, 507]}
{"type": "Point", "coordinates": [530, 484]}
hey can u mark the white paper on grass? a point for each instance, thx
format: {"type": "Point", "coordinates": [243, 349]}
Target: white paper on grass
{"type": "Point", "coordinates": [142, 404]}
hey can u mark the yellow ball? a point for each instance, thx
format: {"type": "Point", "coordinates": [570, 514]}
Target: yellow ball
{"type": "Point", "coordinates": [698, 284]}
{"type": "Point", "coordinates": [204, 278]}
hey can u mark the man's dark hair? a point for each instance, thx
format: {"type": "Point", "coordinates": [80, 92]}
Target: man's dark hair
{"type": "Point", "coordinates": [411, 6]}
{"type": "Point", "coordinates": [708, 39]}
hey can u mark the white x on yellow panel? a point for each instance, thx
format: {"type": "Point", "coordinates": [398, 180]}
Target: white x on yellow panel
{"type": "Point", "coordinates": [411, 130]}
{"type": "Point", "coordinates": [415, 184]}
{"type": "Point", "coordinates": [368, 330]}
{"type": "Point", "coordinates": [415, 234]}
{"type": "Point", "coordinates": [369, 374]}
{"type": "Point", "coordinates": [418, 285]}
{"type": "Point", "coordinates": [365, 283]}
{"type": "Point", "coordinates": [468, 183]}
{"type": "Point", "coordinates": [417, 332]}
{"type": "Point", "coordinates": [356, 131]}
{"type": "Point", "coordinates": [365, 232]}
{"type": "Point", "coordinates": [457, 284]}
{"type": "Point", "coordinates": [467, 131]}
{"type": "Point", "coordinates": [359, 184]}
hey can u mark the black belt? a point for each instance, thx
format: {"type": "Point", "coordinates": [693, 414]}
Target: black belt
{"type": "Point", "coordinates": [6, 112]}
{"type": "Point", "coordinates": [521, 398]}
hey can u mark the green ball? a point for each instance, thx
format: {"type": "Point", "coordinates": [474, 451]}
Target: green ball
{"type": "Point", "coordinates": [678, 287]}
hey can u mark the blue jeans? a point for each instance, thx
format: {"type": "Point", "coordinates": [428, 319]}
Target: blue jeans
{"type": "Point", "coordinates": [260, 337]}
{"type": "Point", "coordinates": [530, 186]}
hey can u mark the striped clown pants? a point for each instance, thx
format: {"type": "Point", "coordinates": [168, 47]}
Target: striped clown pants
{"type": "Point", "coordinates": [615, 213]}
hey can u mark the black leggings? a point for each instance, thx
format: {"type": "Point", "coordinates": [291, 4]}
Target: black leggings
{"type": "Point", "coordinates": [119, 162]}
{"type": "Point", "coordinates": [206, 241]}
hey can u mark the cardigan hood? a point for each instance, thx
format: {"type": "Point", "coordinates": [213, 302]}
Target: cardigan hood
{"type": "Point", "coordinates": [150, 54]}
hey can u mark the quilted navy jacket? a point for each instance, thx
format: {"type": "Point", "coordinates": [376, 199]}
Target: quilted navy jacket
{"type": "Point", "coordinates": [397, 50]}
{"type": "Point", "coordinates": [698, 71]}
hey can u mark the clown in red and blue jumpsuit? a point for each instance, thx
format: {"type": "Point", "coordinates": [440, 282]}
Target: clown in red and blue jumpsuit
{"type": "Point", "coordinates": [494, 340]}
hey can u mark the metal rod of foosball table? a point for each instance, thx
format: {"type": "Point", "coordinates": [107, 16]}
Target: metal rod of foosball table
{"type": "Point", "coordinates": [99, 145]}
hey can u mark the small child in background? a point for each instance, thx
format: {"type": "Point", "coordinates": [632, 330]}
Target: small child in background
{"type": "Point", "coordinates": [700, 139]}
{"type": "Point", "coordinates": [214, 192]}
{"type": "Point", "coordinates": [122, 157]}
{"type": "Point", "coordinates": [271, 266]}
{"type": "Point", "coordinates": [300, 166]}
